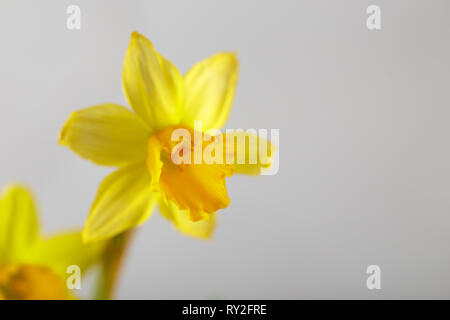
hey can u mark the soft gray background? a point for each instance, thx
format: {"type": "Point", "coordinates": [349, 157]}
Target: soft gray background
{"type": "Point", "coordinates": [364, 140]}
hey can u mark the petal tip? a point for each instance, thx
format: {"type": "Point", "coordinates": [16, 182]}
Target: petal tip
{"type": "Point", "coordinates": [15, 187]}
{"type": "Point", "coordinates": [136, 36]}
{"type": "Point", "coordinates": [62, 136]}
{"type": "Point", "coordinates": [134, 33]}
{"type": "Point", "coordinates": [232, 55]}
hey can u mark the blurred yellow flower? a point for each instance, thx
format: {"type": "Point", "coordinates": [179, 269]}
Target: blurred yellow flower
{"type": "Point", "coordinates": [139, 143]}
{"type": "Point", "coordinates": [32, 267]}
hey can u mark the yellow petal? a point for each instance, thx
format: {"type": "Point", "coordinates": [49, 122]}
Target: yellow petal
{"type": "Point", "coordinates": [107, 134]}
{"type": "Point", "coordinates": [154, 163]}
{"type": "Point", "coordinates": [124, 200]}
{"type": "Point", "coordinates": [152, 85]}
{"type": "Point", "coordinates": [203, 229]}
{"type": "Point", "coordinates": [19, 226]}
{"type": "Point", "coordinates": [64, 250]}
{"type": "Point", "coordinates": [249, 153]}
{"type": "Point", "coordinates": [198, 188]}
{"type": "Point", "coordinates": [209, 90]}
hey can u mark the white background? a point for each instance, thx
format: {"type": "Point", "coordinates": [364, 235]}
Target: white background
{"type": "Point", "coordinates": [364, 140]}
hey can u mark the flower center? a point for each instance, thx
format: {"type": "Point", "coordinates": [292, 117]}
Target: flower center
{"type": "Point", "coordinates": [30, 282]}
{"type": "Point", "coordinates": [178, 171]}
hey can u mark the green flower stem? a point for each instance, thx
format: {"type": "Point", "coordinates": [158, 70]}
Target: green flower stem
{"type": "Point", "coordinates": [111, 265]}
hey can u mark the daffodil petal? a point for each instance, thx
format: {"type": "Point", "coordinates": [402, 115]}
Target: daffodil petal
{"type": "Point", "coordinates": [209, 90]}
{"type": "Point", "coordinates": [64, 250]}
{"type": "Point", "coordinates": [249, 153]}
{"type": "Point", "coordinates": [19, 227]}
{"type": "Point", "coordinates": [202, 229]}
{"type": "Point", "coordinates": [154, 163]}
{"type": "Point", "coordinates": [107, 134]}
{"type": "Point", "coordinates": [124, 200]}
{"type": "Point", "coordinates": [198, 188]}
{"type": "Point", "coordinates": [152, 85]}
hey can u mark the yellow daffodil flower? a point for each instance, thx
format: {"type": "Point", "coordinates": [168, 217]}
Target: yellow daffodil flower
{"type": "Point", "coordinates": [32, 267]}
{"type": "Point", "coordinates": [139, 143]}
